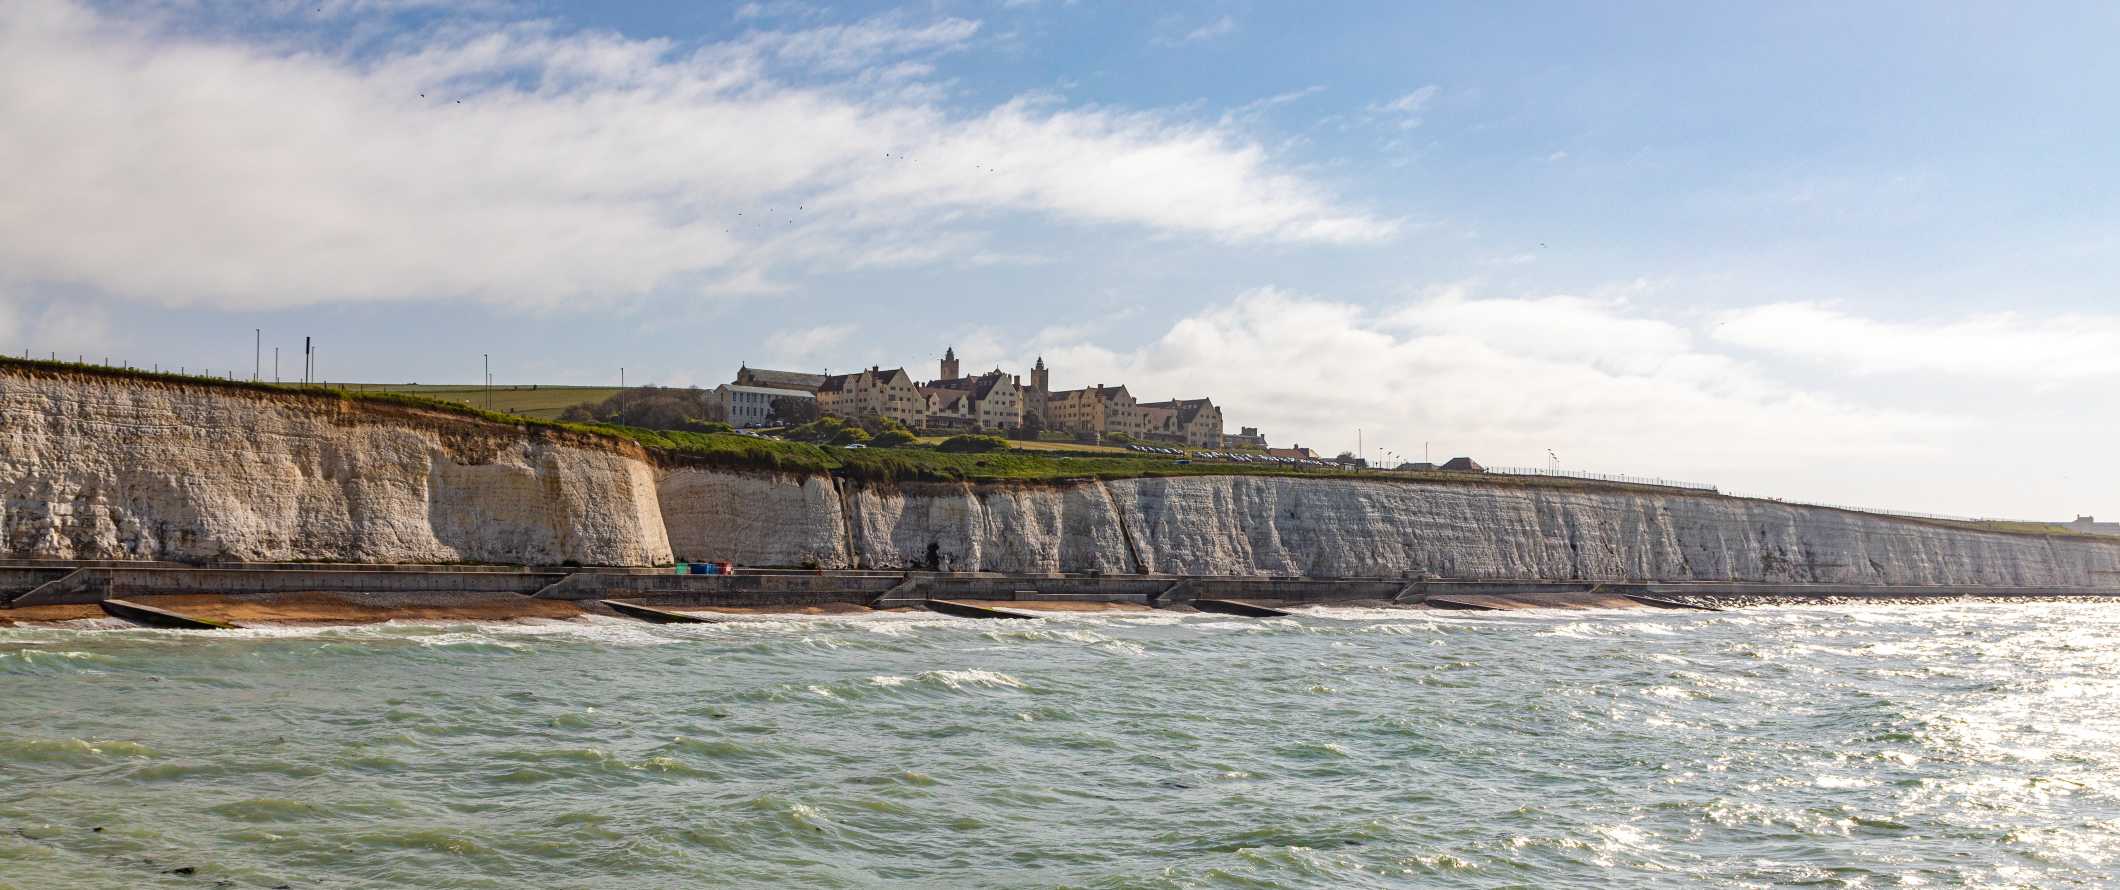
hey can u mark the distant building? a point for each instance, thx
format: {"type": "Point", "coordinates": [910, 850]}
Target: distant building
{"type": "Point", "coordinates": [1420, 466]}
{"type": "Point", "coordinates": [1099, 409]}
{"type": "Point", "coordinates": [1195, 422]}
{"type": "Point", "coordinates": [1250, 437]}
{"type": "Point", "coordinates": [1295, 451]}
{"type": "Point", "coordinates": [993, 400]}
{"type": "Point", "coordinates": [2091, 526]}
{"type": "Point", "coordinates": [947, 409]}
{"type": "Point", "coordinates": [1039, 393]}
{"type": "Point", "coordinates": [748, 406]}
{"type": "Point", "coordinates": [874, 392]}
{"type": "Point", "coordinates": [760, 377]}
{"type": "Point", "coordinates": [1463, 465]}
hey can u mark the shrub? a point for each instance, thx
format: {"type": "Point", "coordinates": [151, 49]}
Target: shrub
{"type": "Point", "coordinates": [892, 439]}
{"type": "Point", "coordinates": [972, 444]}
{"type": "Point", "coordinates": [827, 431]}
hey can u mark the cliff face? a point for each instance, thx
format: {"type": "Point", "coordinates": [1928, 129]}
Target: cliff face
{"type": "Point", "coordinates": [96, 467]}
{"type": "Point", "coordinates": [109, 468]}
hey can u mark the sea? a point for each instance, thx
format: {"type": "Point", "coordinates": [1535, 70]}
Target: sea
{"type": "Point", "coordinates": [1974, 744]}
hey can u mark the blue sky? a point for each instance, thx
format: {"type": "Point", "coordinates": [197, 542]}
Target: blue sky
{"type": "Point", "coordinates": [1858, 253]}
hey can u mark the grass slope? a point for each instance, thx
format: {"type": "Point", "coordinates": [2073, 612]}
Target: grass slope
{"type": "Point", "coordinates": [543, 402]}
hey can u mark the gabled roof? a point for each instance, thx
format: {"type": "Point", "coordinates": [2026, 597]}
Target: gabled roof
{"type": "Point", "coordinates": [944, 396]}
{"type": "Point", "coordinates": [780, 379]}
{"type": "Point", "coordinates": [980, 387]}
{"type": "Point", "coordinates": [838, 382]}
{"type": "Point", "coordinates": [1464, 464]}
{"type": "Point", "coordinates": [769, 391]}
{"type": "Point", "coordinates": [1187, 408]}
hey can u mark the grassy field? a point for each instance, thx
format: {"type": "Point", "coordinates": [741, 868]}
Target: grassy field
{"type": "Point", "coordinates": [542, 402]}
{"type": "Point", "coordinates": [1046, 446]}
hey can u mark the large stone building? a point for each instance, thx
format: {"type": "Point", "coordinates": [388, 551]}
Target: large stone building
{"type": "Point", "coordinates": [1248, 437]}
{"type": "Point", "coordinates": [990, 401]}
{"type": "Point", "coordinates": [748, 406]}
{"type": "Point", "coordinates": [996, 401]}
{"type": "Point", "coordinates": [890, 394]}
{"type": "Point", "coordinates": [1194, 422]}
{"type": "Point", "coordinates": [2091, 526]}
{"type": "Point", "coordinates": [1100, 409]}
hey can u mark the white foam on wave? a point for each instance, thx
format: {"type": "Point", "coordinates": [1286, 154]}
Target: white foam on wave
{"type": "Point", "coordinates": [961, 679]}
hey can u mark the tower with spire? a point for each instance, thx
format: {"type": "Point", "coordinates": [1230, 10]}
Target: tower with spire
{"type": "Point", "coordinates": [949, 363]}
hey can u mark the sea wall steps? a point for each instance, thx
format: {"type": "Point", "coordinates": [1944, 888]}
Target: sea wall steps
{"type": "Point", "coordinates": [1234, 607]}
{"type": "Point", "coordinates": [151, 616]}
{"type": "Point", "coordinates": [963, 609]}
{"type": "Point", "coordinates": [653, 615]}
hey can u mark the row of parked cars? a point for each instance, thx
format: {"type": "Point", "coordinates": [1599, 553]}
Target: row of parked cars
{"type": "Point", "coordinates": [1232, 456]}
{"type": "Point", "coordinates": [1236, 457]}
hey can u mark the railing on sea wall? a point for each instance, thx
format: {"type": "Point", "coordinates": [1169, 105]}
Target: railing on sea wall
{"type": "Point", "coordinates": [1603, 477]}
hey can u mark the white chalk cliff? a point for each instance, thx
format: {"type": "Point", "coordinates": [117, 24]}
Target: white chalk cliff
{"type": "Point", "coordinates": [106, 467]}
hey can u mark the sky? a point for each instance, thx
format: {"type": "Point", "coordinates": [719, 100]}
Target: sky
{"type": "Point", "coordinates": [1861, 254]}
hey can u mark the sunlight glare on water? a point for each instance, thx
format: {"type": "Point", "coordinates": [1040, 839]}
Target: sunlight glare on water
{"type": "Point", "coordinates": [1891, 746]}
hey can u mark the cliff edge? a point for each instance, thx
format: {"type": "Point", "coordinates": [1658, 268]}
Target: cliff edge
{"type": "Point", "coordinates": [97, 465]}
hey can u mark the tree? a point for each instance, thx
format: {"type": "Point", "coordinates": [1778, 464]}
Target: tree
{"type": "Point", "coordinates": [1033, 427]}
{"type": "Point", "coordinates": [792, 411]}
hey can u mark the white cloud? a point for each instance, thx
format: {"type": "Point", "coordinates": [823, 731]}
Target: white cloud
{"type": "Point", "coordinates": [548, 168]}
{"type": "Point", "coordinates": [1501, 379]}
{"type": "Point", "coordinates": [843, 48]}
{"type": "Point", "coordinates": [1412, 102]}
{"type": "Point", "coordinates": [1991, 346]}
{"type": "Point", "coordinates": [69, 329]}
{"type": "Point", "coordinates": [1405, 111]}
{"type": "Point", "coordinates": [802, 347]}
{"type": "Point", "coordinates": [1220, 27]}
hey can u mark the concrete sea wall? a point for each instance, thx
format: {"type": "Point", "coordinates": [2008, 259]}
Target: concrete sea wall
{"type": "Point", "coordinates": [106, 467]}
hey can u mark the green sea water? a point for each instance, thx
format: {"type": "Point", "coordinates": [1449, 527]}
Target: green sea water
{"type": "Point", "coordinates": [1969, 745]}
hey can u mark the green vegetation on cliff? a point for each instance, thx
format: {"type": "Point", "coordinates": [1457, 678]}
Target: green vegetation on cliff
{"type": "Point", "coordinates": [920, 461]}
